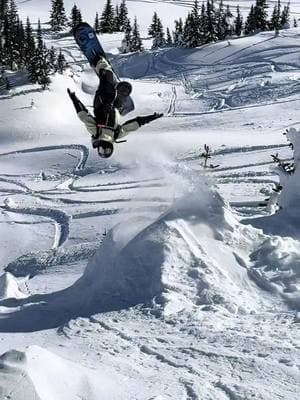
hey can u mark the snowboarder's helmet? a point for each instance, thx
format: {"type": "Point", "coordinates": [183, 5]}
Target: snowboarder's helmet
{"type": "Point", "coordinates": [105, 149]}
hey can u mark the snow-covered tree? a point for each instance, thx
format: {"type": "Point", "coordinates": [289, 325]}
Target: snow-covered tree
{"type": "Point", "coordinates": [61, 64]}
{"type": "Point", "coordinates": [222, 25]}
{"type": "Point", "coordinates": [39, 68]}
{"type": "Point", "coordinates": [39, 37]}
{"type": "Point", "coordinates": [178, 33]}
{"type": "Point", "coordinates": [97, 23]}
{"type": "Point", "coordinates": [238, 22]}
{"type": "Point", "coordinates": [261, 15]}
{"type": "Point", "coordinates": [250, 24]}
{"type": "Point", "coordinates": [136, 41]}
{"type": "Point", "coordinates": [123, 16]}
{"type": "Point", "coordinates": [58, 19]}
{"type": "Point", "coordinates": [169, 40]}
{"type": "Point", "coordinates": [126, 42]}
{"type": "Point", "coordinates": [20, 48]}
{"type": "Point", "coordinates": [10, 32]}
{"type": "Point", "coordinates": [75, 17]}
{"type": "Point", "coordinates": [107, 20]}
{"type": "Point", "coordinates": [116, 19]}
{"type": "Point", "coordinates": [295, 24]}
{"type": "Point", "coordinates": [158, 36]}
{"type": "Point", "coordinates": [52, 59]}
{"type": "Point", "coordinates": [285, 15]}
{"type": "Point", "coordinates": [191, 32]}
{"type": "Point", "coordinates": [29, 42]}
{"type": "Point", "coordinates": [153, 27]}
{"type": "Point", "coordinates": [275, 18]}
{"type": "Point", "coordinates": [212, 34]}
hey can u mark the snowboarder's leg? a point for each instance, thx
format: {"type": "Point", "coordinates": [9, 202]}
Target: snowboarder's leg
{"type": "Point", "coordinates": [108, 81]}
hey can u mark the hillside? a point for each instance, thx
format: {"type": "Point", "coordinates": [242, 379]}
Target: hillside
{"type": "Point", "coordinates": [146, 276]}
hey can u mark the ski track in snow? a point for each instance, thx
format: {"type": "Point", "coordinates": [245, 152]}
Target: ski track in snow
{"type": "Point", "coordinates": [84, 152]}
{"type": "Point", "coordinates": [59, 217]}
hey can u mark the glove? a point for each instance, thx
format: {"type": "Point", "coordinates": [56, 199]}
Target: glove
{"type": "Point", "coordinates": [148, 118]}
{"type": "Point", "coordinates": [71, 94]}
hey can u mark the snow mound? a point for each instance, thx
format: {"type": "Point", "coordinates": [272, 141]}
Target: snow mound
{"type": "Point", "coordinates": [193, 258]}
{"type": "Point", "coordinates": [9, 287]}
{"type": "Point", "coordinates": [38, 373]}
{"type": "Point", "coordinates": [182, 261]}
{"type": "Point", "coordinates": [276, 267]}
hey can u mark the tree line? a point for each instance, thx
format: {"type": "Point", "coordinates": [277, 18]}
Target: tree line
{"type": "Point", "coordinates": [22, 48]}
{"type": "Point", "coordinates": [210, 23]}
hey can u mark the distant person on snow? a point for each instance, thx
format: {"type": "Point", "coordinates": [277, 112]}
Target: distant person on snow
{"type": "Point", "coordinates": [105, 127]}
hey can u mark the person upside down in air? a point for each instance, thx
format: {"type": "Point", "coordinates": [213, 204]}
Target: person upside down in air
{"type": "Point", "coordinates": [104, 126]}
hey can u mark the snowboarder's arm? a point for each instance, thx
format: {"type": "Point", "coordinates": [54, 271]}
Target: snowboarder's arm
{"type": "Point", "coordinates": [83, 114]}
{"type": "Point", "coordinates": [76, 102]}
{"type": "Point", "coordinates": [134, 124]}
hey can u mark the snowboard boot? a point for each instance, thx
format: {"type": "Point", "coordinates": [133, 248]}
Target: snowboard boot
{"type": "Point", "coordinates": [124, 90]}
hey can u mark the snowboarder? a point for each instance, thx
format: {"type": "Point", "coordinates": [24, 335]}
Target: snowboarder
{"type": "Point", "coordinates": [104, 126]}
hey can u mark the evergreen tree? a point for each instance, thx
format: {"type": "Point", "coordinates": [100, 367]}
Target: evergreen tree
{"type": "Point", "coordinates": [29, 43]}
{"type": "Point", "coordinates": [187, 31]}
{"type": "Point", "coordinates": [123, 16]}
{"type": "Point", "coordinates": [285, 15]}
{"type": "Point", "coordinates": [275, 18]}
{"type": "Point", "coordinates": [58, 19]}
{"type": "Point", "coordinates": [52, 59]}
{"type": "Point", "coordinates": [178, 33]}
{"type": "Point", "coordinates": [229, 30]}
{"type": "Point", "coordinates": [10, 32]}
{"type": "Point", "coordinates": [169, 40]}
{"type": "Point", "coordinates": [153, 27]}
{"type": "Point", "coordinates": [3, 11]}
{"type": "Point", "coordinates": [136, 41]}
{"type": "Point", "coordinates": [97, 23]}
{"type": "Point", "coordinates": [39, 38]}
{"type": "Point", "coordinates": [117, 20]}
{"type": "Point", "coordinates": [75, 17]}
{"type": "Point", "coordinates": [261, 15]}
{"type": "Point", "coordinates": [203, 24]}
{"type": "Point", "coordinates": [195, 34]}
{"type": "Point", "coordinates": [191, 32]}
{"type": "Point", "coordinates": [126, 42]}
{"type": "Point", "coordinates": [222, 25]}
{"type": "Point", "coordinates": [238, 22]}
{"type": "Point", "coordinates": [295, 24]}
{"type": "Point", "coordinates": [211, 21]}
{"type": "Point", "coordinates": [61, 62]}
{"type": "Point", "coordinates": [107, 18]}
{"type": "Point", "coordinates": [1, 54]}
{"type": "Point", "coordinates": [159, 36]}
{"type": "Point", "coordinates": [39, 68]}
{"type": "Point", "coordinates": [250, 25]}
{"type": "Point", "coordinates": [20, 41]}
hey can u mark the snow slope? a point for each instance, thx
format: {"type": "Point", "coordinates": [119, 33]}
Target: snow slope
{"type": "Point", "coordinates": [146, 269]}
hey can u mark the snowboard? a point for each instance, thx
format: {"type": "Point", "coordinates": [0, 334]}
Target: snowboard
{"type": "Point", "coordinates": [86, 38]}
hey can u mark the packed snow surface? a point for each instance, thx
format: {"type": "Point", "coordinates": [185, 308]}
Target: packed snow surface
{"type": "Point", "coordinates": [147, 276]}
